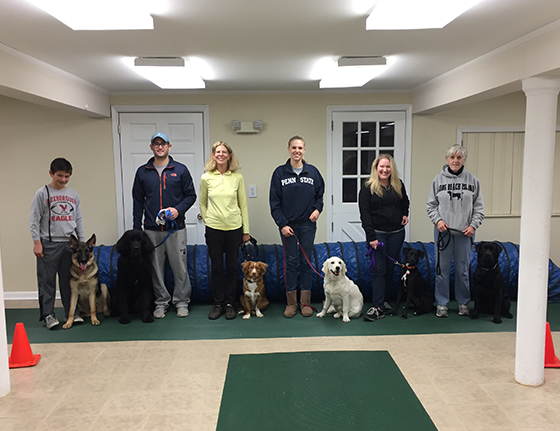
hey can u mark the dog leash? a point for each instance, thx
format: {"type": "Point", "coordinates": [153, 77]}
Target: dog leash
{"type": "Point", "coordinates": [443, 240]}
{"type": "Point", "coordinates": [370, 254]}
{"type": "Point", "coordinates": [171, 226]}
{"type": "Point", "coordinates": [246, 255]}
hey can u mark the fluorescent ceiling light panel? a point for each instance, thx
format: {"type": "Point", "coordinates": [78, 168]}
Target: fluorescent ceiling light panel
{"type": "Point", "coordinates": [167, 73]}
{"type": "Point", "coordinates": [100, 14]}
{"type": "Point", "coordinates": [416, 14]}
{"type": "Point", "coordinates": [352, 72]}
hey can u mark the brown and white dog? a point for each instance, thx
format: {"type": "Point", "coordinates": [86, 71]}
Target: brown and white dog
{"type": "Point", "coordinates": [253, 300]}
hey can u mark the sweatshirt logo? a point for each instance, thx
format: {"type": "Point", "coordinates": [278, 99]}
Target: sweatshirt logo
{"type": "Point", "coordinates": [62, 211]}
{"type": "Point", "coordinates": [293, 180]}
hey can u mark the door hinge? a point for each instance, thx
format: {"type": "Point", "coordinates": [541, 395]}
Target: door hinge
{"type": "Point", "coordinates": [332, 226]}
{"type": "Point", "coordinates": [119, 129]}
{"type": "Point", "coordinates": [332, 199]}
{"type": "Point", "coordinates": [332, 126]}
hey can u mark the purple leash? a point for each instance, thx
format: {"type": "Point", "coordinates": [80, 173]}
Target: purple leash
{"type": "Point", "coordinates": [370, 254]}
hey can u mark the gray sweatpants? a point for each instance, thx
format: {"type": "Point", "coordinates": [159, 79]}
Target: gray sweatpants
{"type": "Point", "coordinates": [175, 249]}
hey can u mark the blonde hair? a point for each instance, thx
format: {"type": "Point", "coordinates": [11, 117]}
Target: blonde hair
{"type": "Point", "coordinates": [373, 180]}
{"type": "Point", "coordinates": [233, 163]}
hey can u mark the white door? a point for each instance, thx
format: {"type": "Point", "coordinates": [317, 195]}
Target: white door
{"type": "Point", "coordinates": [185, 133]}
{"type": "Point", "coordinates": [357, 139]}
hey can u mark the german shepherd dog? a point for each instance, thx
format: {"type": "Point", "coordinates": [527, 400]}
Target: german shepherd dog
{"type": "Point", "coordinates": [84, 283]}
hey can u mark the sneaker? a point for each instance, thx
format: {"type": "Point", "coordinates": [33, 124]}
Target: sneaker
{"type": "Point", "coordinates": [387, 309]}
{"type": "Point", "coordinates": [463, 310]}
{"type": "Point", "coordinates": [373, 314]}
{"type": "Point", "coordinates": [230, 312]}
{"type": "Point", "coordinates": [182, 312]}
{"type": "Point", "coordinates": [217, 311]}
{"type": "Point", "coordinates": [78, 319]}
{"type": "Point", "coordinates": [51, 321]}
{"type": "Point", "coordinates": [441, 311]}
{"type": "Point", "coordinates": [159, 313]}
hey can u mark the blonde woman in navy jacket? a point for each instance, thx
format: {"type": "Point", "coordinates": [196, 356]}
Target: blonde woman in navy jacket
{"type": "Point", "coordinates": [296, 201]}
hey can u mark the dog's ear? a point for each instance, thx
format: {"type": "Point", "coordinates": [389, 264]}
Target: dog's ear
{"type": "Point", "coordinates": [73, 241]}
{"type": "Point", "coordinates": [147, 245]}
{"type": "Point", "coordinates": [478, 247]}
{"type": "Point", "coordinates": [421, 254]}
{"type": "Point", "coordinates": [244, 265]}
{"type": "Point", "coordinates": [342, 267]}
{"type": "Point", "coordinates": [325, 267]}
{"type": "Point", "coordinates": [497, 247]}
{"type": "Point", "coordinates": [122, 244]}
{"type": "Point", "coordinates": [263, 265]}
{"type": "Point", "coordinates": [91, 241]}
{"type": "Point", "coordinates": [405, 251]}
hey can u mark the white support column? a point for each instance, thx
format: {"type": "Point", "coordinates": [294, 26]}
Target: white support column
{"type": "Point", "coordinates": [536, 209]}
{"type": "Point", "coordinates": [4, 369]}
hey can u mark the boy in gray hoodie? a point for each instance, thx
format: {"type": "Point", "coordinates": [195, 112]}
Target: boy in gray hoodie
{"type": "Point", "coordinates": [456, 209]}
{"type": "Point", "coordinates": [55, 216]}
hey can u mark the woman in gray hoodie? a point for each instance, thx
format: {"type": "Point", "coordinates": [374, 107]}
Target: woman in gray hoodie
{"type": "Point", "coordinates": [456, 209]}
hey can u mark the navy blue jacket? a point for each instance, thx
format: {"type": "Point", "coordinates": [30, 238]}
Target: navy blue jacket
{"type": "Point", "coordinates": [150, 193]}
{"type": "Point", "coordinates": [294, 197]}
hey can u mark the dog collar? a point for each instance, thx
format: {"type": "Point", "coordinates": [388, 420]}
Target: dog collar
{"type": "Point", "coordinates": [487, 269]}
{"type": "Point", "coordinates": [409, 267]}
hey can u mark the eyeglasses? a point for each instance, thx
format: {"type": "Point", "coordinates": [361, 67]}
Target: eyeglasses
{"type": "Point", "coordinates": [159, 144]}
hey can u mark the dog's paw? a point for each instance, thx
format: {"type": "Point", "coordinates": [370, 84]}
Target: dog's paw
{"type": "Point", "coordinates": [497, 320]}
{"type": "Point", "coordinates": [337, 315]}
{"type": "Point", "coordinates": [259, 314]}
{"type": "Point", "coordinates": [67, 325]}
{"type": "Point", "coordinates": [473, 316]}
{"type": "Point", "coordinates": [321, 314]}
{"type": "Point", "coordinates": [345, 319]}
{"type": "Point", "coordinates": [404, 317]}
{"type": "Point", "coordinates": [247, 316]}
{"type": "Point", "coordinates": [124, 320]}
{"type": "Point", "coordinates": [508, 316]}
{"type": "Point", "coordinates": [148, 319]}
{"type": "Point", "coordinates": [95, 322]}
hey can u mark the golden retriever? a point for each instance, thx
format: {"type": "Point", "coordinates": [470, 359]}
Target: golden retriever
{"type": "Point", "coordinates": [342, 296]}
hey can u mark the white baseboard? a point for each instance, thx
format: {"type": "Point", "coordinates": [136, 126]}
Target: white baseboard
{"type": "Point", "coordinates": [24, 296]}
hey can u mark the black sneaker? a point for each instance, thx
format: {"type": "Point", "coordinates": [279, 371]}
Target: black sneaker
{"type": "Point", "coordinates": [387, 309]}
{"type": "Point", "coordinates": [217, 311]}
{"type": "Point", "coordinates": [230, 312]}
{"type": "Point", "coordinates": [373, 314]}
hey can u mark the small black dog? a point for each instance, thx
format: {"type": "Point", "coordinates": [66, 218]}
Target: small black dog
{"type": "Point", "coordinates": [489, 294]}
{"type": "Point", "coordinates": [135, 291]}
{"type": "Point", "coordinates": [413, 285]}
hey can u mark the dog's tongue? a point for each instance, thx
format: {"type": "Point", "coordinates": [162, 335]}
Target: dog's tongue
{"type": "Point", "coordinates": [83, 266]}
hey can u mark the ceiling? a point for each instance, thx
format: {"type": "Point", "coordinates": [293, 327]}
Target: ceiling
{"type": "Point", "coordinates": [260, 45]}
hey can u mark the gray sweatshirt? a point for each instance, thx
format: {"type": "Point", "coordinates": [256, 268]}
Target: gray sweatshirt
{"type": "Point", "coordinates": [63, 211]}
{"type": "Point", "coordinates": [456, 199]}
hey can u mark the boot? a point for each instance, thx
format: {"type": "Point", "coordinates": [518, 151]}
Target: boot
{"type": "Point", "coordinates": [305, 303]}
{"type": "Point", "coordinates": [291, 308]}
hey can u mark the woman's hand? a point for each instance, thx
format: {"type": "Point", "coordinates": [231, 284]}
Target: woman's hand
{"type": "Point", "coordinates": [246, 237]}
{"type": "Point", "coordinates": [404, 220]}
{"type": "Point", "coordinates": [374, 244]}
{"type": "Point", "coordinates": [287, 231]}
{"type": "Point", "coordinates": [469, 231]}
{"type": "Point", "coordinates": [314, 216]}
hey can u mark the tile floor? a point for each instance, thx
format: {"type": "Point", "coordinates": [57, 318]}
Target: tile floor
{"type": "Point", "coordinates": [464, 381]}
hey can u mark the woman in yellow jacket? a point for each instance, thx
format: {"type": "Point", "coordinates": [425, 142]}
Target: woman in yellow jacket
{"type": "Point", "coordinates": [223, 206]}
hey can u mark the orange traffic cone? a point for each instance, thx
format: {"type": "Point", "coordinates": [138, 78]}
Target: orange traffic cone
{"type": "Point", "coordinates": [550, 358]}
{"type": "Point", "coordinates": [22, 356]}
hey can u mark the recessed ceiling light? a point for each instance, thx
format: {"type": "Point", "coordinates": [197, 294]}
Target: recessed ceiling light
{"type": "Point", "coordinates": [168, 72]}
{"type": "Point", "coordinates": [352, 72]}
{"type": "Point", "coordinates": [100, 14]}
{"type": "Point", "coordinates": [416, 14]}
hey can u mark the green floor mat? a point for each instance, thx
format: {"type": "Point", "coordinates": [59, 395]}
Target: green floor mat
{"type": "Point", "coordinates": [197, 326]}
{"type": "Point", "coordinates": [319, 391]}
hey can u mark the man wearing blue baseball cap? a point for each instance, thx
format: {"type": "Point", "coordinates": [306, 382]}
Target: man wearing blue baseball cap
{"type": "Point", "coordinates": [165, 186]}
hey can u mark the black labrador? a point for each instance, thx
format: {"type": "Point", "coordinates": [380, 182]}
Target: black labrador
{"type": "Point", "coordinates": [489, 294]}
{"type": "Point", "coordinates": [414, 286]}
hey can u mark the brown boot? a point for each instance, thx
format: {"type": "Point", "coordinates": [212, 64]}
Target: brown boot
{"type": "Point", "coordinates": [291, 308]}
{"type": "Point", "coordinates": [305, 303]}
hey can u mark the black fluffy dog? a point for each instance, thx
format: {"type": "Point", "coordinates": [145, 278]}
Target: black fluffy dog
{"type": "Point", "coordinates": [413, 286]}
{"type": "Point", "coordinates": [489, 295]}
{"type": "Point", "coordinates": [135, 293]}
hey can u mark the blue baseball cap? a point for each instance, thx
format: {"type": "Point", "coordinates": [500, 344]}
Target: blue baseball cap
{"type": "Point", "coordinates": [160, 135]}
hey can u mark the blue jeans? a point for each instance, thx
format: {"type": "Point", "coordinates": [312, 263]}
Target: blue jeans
{"type": "Point", "coordinates": [305, 232]}
{"type": "Point", "coordinates": [459, 251]}
{"type": "Point", "coordinates": [384, 267]}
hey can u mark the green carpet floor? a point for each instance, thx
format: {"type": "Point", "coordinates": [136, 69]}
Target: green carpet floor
{"type": "Point", "coordinates": [197, 326]}
{"type": "Point", "coordinates": [319, 391]}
